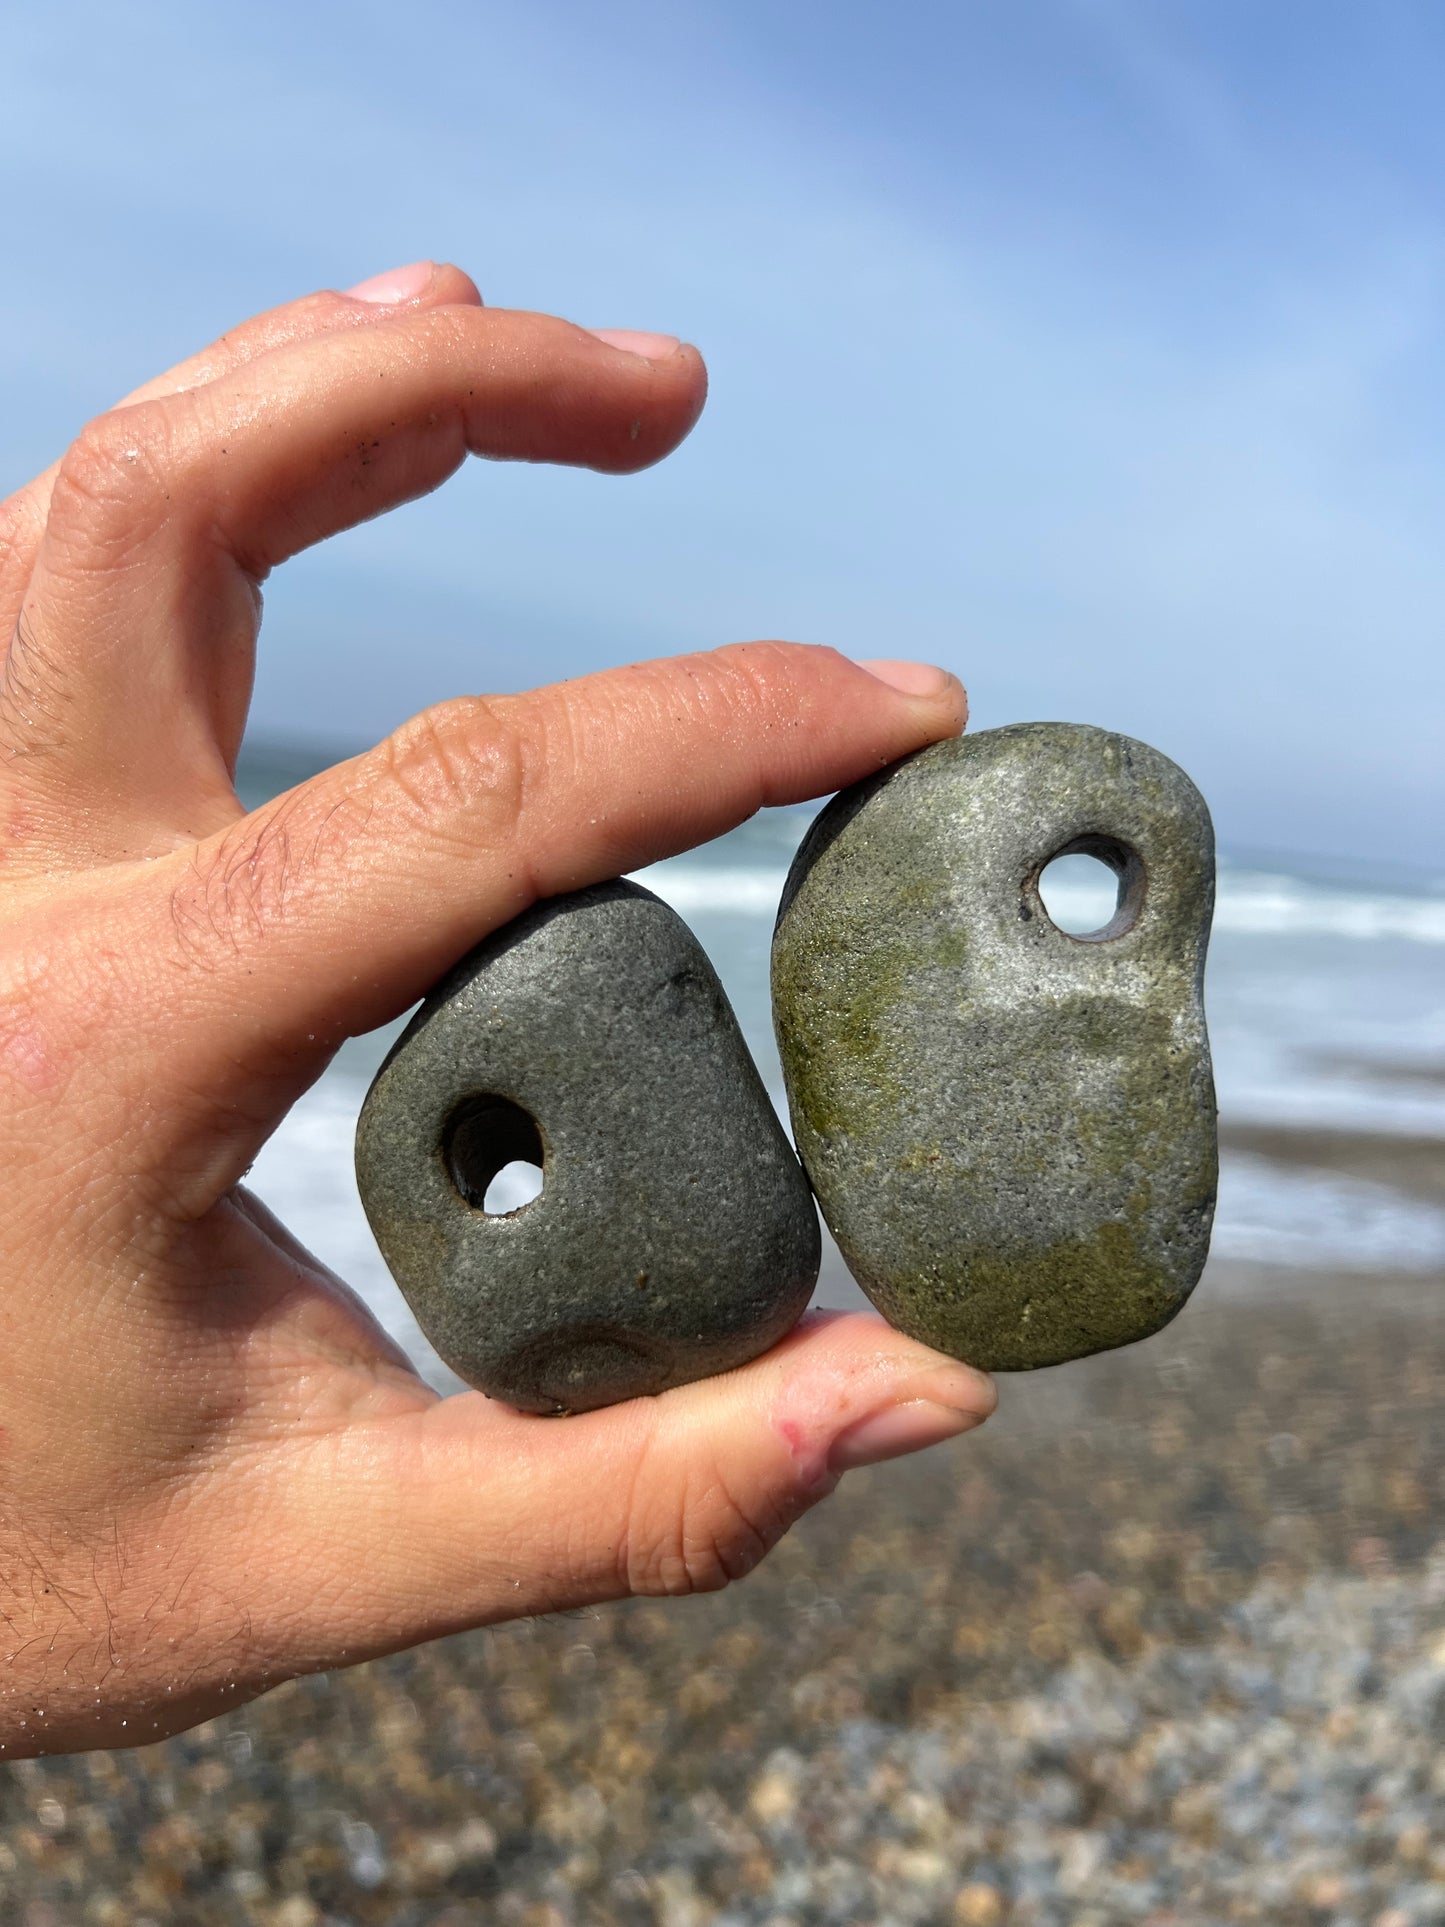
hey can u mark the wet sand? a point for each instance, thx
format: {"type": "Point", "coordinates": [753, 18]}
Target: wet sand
{"type": "Point", "coordinates": [1164, 1643]}
{"type": "Point", "coordinates": [1412, 1165]}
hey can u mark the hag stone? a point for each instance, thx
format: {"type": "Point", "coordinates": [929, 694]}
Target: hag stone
{"type": "Point", "coordinates": [1010, 1130]}
{"type": "Point", "coordinates": [674, 1235]}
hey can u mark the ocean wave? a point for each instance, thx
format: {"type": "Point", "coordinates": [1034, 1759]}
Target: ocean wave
{"type": "Point", "coordinates": [1250, 903]}
{"type": "Point", "coordinates": [307, 1176]}
{"type": "Point", "coordinates": [1308, 1219]}
{"type": "Point", "coordinates": [1261, 905]}
{"type": "Point", "coordinates": [693, 888]}
{"type": "Point", "coordinates": [1268, 1213]}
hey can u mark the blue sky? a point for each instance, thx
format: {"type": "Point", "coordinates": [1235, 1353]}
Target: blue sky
{"type": "Point", "coordinates": [1096, 350]}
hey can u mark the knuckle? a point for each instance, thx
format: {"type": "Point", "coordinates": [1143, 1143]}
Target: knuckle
{"type": "Point", "coordinates": [780, 670]}
{"type": "Point", "coordinates": [117, 473]}
{"type": "Point", "coordinates": [464, 770]}
{"type": "Point", "coordinates": [755, 681]}
{"type": "Point", "coordinates": [701, 1539]}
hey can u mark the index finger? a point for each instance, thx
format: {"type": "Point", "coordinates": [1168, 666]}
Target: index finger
{"type": "Point", "coordinates": [331, 909]}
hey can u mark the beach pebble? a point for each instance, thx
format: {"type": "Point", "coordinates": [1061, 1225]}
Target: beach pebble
{"type": "Point", "coordinates": [674, 1235]}
{"type": "Point", "coordinates": [1010, 1129]}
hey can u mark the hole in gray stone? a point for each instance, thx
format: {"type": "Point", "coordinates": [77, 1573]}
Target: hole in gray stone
{"type": "Point", "coordinates": [494, 1156]}
{"type": "Point", "coordinates": [516, 1184]}
{"type": "Point", "coordinates": [1092, 889]}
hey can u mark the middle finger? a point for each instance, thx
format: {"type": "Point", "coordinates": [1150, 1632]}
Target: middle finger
{"type": "Point", "coordinates": [22, 517]}
{"type": "Point", "coordinates": [141, 612]}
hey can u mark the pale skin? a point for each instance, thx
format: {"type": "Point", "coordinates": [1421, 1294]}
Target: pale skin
{"type": "Point", "coordinates": [216, 1471]}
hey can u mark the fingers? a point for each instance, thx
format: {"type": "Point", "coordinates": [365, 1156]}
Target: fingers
{"type": "Point", "coordinates": [428, 285]}
{"type": "Point", "coordinates": [468, 1512]}
{"type": "Point", "coordinates": [401, 859]}
{"type": "Point", "coordinates": [139, 623]}
{"type": "Point", "coordinates": [332, 909]}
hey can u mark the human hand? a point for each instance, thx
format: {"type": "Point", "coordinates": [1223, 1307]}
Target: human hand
{"type": "Point", "coordinates": [216, 1471]}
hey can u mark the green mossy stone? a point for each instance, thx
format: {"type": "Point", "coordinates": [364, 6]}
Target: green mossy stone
{"type": "Point", "coordinates": [675, 1235]}
{"type": "Point", "coordinates": [1010, 1130]}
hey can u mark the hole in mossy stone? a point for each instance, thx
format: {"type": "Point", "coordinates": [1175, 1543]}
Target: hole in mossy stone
{"type": "Point", "coordinates": [1092, 889]}
{"type": "Point", "coordinates": [494, 1156]}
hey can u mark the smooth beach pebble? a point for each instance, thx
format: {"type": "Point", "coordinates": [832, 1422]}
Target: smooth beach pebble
{"type": "Point", "coordinates": [674, 1235]}
{"type": "Point", "coordinates": [1010, 1130]}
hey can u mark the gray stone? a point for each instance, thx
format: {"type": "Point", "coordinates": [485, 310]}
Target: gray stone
{"type": "Point", "coordinates": [674, 1235]}
{"type": "Point", "coordinates": [1010, 1130]}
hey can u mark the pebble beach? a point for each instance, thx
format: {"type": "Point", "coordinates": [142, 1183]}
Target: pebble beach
{"type": "Point", "coordinates": [1165, 1643]}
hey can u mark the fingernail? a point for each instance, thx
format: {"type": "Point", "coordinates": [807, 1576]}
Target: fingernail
{"type": "Point", "coordinates": [650, 347]}
{"type": "Point", "coordinates": [902, 1428]}
{"type": "Point", "coordinates": [397, 284]}
{"type": "Point", "coordinates": [913, 678]}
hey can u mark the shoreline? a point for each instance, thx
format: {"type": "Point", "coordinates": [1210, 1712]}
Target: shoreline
{"type": "Point", "coordinates": [1412, 1164]}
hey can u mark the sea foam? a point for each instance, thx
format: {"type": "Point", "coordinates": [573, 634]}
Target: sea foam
{"type": "Point", "coordinates": [1250, 902]}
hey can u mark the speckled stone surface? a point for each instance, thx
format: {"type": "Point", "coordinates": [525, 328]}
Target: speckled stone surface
{"type": "Point", "coordinates": [674, 1236]}
{"type": "Point", "coordinates": [1011, 1131]}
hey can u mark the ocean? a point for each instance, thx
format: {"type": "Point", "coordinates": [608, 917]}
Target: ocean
{"type": "Point", "coordinates": [1326, 1001]}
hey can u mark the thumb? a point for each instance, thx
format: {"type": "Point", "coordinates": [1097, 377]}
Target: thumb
{"type": "Point", "coordinates": [466, 1512]}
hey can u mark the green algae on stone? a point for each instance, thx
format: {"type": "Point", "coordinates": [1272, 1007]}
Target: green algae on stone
{"type": "Point", "coordinates": [674, 1236]}
{"type": "Point", "coordinates": [1010, 1130]}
